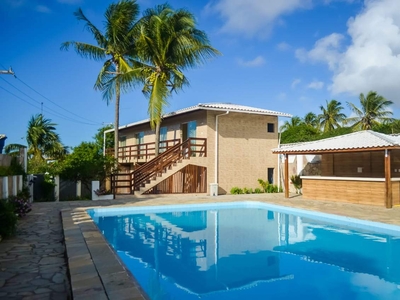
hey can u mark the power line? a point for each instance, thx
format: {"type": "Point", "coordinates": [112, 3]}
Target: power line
{"type": "Point", "coordinates": [87, 120]}
{"type": "Point", "coordinates": [41, 103]}
{"type": "Point", "coordinates": [53, 113]}
{"type": "Point", "coordinates": [54, 102]}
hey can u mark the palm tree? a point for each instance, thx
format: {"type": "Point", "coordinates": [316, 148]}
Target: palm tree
{"type": "Point", "coordinates": [168, 44]}
{"type": "Point", "coordinates": [116, 46]}
{"type": "Point", "coordinates": [331, 117]}
{"type": "Point", "coordinates": [43, 141]}
{"type": "Point", "coordinates": [372, 111]}
{"type": "Point", "coordinates": [311, 119]}
{"type": "Point", "coordinates": [295, 121]}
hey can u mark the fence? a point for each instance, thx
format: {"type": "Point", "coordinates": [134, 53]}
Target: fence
{"type": "Point", "coordinates": [10, 185]}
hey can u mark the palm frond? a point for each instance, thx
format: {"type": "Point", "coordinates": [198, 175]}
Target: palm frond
{"type": "Point", "coordinates": [85, 50]}
{"type": "Point", "coordinates": [98, 36]}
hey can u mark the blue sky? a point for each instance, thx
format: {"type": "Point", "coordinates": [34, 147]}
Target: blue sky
{"type": "Point", "coordinates": [287, 55]}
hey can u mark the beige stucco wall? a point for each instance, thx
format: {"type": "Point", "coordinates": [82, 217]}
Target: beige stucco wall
{"type": "Point", "coordinates": [244, 145]}
{"type": "Point", "coordinates": [244, 149]}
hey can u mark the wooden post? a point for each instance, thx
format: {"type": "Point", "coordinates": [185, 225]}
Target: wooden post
{"type": "Point", "coordinates": [388, 182]}
{"type": "Point", "coordinates": [286, 176]}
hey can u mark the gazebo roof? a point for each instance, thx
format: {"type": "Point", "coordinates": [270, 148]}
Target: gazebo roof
{"type": "Point", "coordinates": [365, 140]}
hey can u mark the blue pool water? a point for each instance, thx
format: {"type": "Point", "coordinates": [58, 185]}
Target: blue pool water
{"type": "Point", "coordinates": [253, 251]}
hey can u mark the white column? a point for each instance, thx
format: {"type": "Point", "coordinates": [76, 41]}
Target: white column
{"type": "Point", "coordinates": [57, 188]}
{"type": "Point", "coordinates": [20, 182]}
{"type": "Point", "coordinates": [95, 187]}
{"type": "Point", "coordinates": [14, 186]}
{"type": "Point", "coordinates": [79, 188]}
{"type": "Point", "coordinates": [5, 187]}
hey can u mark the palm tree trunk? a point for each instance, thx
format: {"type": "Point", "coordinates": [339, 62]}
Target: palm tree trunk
{"type": "Point", "coordinates": [157, 139]}
{"type": "Point", "coordinates": [116, 121]}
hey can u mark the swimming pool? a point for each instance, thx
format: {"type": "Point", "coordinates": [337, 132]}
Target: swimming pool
{"type": "Point", "coordinates": [253, 250]}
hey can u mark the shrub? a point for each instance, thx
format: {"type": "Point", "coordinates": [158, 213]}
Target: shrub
{"type": "Point", "coordinates": [236, 190]}
{"type": "Point", "coordinates": [272, 188]}
{"type": "Point", "coordinates": [258, 191]}
{"type": "Point", "coordinates": [297, 183]}
{"type": "Point", "coordinates": [247, 191]}
{"type": "Point", "coordinates": [24, 194]}
{"type": "Point", "coordinates": [21, 206]}
{"type": "Point", "coordinates": [8, 219]}
{"type": "Point", "coordinates": [264, 184]}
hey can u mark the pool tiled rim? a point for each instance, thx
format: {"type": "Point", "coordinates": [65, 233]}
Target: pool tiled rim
{"type": "Point", "coordinates": [96, 271]}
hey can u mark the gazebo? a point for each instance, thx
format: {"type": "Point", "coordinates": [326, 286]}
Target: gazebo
{"type": "Point", "coordinates": [361, 167]}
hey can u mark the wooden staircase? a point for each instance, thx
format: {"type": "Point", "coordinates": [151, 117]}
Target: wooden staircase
{"type": "Point", "coordinates": [150, 174]}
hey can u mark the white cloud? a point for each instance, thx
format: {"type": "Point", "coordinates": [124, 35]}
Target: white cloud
{"type": "Point", "coordinates": [316, 85]}
{"type": "Point", "coordinates": [43, 9]}
{"type": "Point", "coordinates": [253, 17]}
{"type": "Point", "coordinates": [256, 62]}
{"type": "Point", "coordinates": [282, 96]}
{"type": "Point", "coordinates": [295, 83]}
{"type": "Point", "coordinates": [283, 46]}
{"type": "Point", "coordinates": [371, 61]}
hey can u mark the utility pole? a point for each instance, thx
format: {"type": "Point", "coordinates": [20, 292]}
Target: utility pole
{"type": "Point", "coordinates": [7, 72]}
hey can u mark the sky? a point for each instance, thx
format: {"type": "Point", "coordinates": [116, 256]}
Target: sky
{"type": "Point", "coordinates": [289, 56]}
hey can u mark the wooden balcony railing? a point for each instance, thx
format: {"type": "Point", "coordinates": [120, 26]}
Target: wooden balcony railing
{"type": "Point", "coordinates": [142, 152]}
{"type": "Point", "coordinates": [190, 147]}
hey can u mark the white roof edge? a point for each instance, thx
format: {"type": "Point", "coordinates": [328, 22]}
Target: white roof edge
{"type": "Point", "coordinates": [364, 139]}
{"type": "Point", "coordinates": [204, 106]}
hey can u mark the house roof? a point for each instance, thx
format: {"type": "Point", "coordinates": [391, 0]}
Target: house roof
{"type": "Point", "coordinates": [365, 140]}
{"type": "Point", "coordinates": [215, 107]}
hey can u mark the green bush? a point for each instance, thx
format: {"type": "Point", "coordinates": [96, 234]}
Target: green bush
{"type": "Point", "coordinates": [297, 183]}
{"type": "Point", "coordinates": [247, 191]}
{"type": "Point", "coordinates": [8, 218]}
{"type": "Point", "coordinates": [236, 191]}
{"type": "Point", "coordinates": [258, 191]}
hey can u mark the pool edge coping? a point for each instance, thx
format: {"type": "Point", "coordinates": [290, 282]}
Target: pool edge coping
{"type": "Point", "coordinates": [94, 269]}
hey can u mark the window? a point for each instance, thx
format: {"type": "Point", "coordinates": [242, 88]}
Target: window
{"type": "Point", "coordinates": [122, 141]}
{"type": "Point", "coordinates": [271, 127]}
{"type": "Point", "coordinates": [163, 137]}
{"type": "Point", "coordinates": [270, 175]}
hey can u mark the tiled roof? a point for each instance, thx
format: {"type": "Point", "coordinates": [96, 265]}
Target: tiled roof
{"type": "Point", "coordinates": [226, 107]}
{"type": "Point", "coordinates": [216, 107]}
{"type": "Point", "coordinates": [365, 139]}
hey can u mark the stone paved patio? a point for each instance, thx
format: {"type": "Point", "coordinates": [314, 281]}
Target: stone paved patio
{"type": "Point", "coordinates": [34, 263]}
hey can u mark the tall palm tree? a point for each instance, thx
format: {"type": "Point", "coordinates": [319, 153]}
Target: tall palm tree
{"type": "Point", "coordinates": [116, 46]}
{"type": "Point", "coordinates": [331, 115]}
{"type": "Point", "coordinates": [373, 110]}
{"type": "Point", "coordinates": [168, 43]}
{"type": "Point", "coordinates": [311, 119]}
{"type": "Point", "coordinates": [43, 141]}
{"type": "Point", "coordinates": [295, 121]}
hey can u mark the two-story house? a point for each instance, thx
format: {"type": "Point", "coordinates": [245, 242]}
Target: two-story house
{"type": "Point", "coordinates": [217, 144]}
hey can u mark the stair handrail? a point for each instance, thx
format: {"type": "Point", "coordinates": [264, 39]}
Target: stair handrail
{"type": "Point", "coordinates": [164, 160]}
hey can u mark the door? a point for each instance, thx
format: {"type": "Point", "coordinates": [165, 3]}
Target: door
{"type": "Point", "coordinates": [188, 130]}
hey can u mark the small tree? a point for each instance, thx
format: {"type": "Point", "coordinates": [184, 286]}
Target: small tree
{"type": "Point", "coordinates": [86, 163]}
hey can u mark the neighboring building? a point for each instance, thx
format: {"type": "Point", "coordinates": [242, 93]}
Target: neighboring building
{"type": "Point", "coordinates": [361, 167]}
{"type": "Point", "coordinates": [229, 145]}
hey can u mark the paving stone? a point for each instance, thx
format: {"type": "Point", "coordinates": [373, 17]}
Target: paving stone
{"type": "Point", "coordinates": [41, 282]}
{"type": "Point", "coordinates": [58, 287]}
{"type": "Point", "coordinates": [58, 278]}
{"type": "Point", "coordinates": [42, 290]}
{"type": "Point", "coordinates": [51, 260]}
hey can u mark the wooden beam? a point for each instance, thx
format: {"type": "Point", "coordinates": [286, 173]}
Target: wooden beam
{"type": "Point", "coordinates": [286, 176]}
{"type": "Point", "coordinates": [388, 182]}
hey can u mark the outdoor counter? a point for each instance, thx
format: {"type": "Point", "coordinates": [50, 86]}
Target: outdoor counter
{"type": "Point", "coordinates": [361, 190]}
